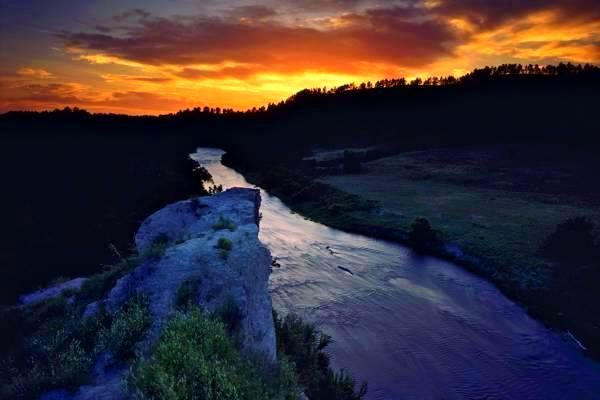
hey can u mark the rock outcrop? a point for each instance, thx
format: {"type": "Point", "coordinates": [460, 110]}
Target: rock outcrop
{"type": "Point", "coordinates": [191, 231]}
{"type": "Point", "coordinates": [51, 291]}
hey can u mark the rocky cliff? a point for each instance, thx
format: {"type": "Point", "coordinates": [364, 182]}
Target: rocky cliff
{"type": "Point", "coordinates": [211, 243]}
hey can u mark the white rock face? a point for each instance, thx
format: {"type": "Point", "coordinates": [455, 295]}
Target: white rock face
{"type": "Point", "coordinates": [243, 275]}
{"type": "Point", "coordinates": [192, 255]}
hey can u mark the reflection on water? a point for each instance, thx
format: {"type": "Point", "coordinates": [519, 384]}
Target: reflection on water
{"type": "Point", "coordinates": [413, 327]}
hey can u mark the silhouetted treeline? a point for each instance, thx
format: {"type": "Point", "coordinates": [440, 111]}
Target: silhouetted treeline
{"type": "Point", "coordinates": [502, 73]}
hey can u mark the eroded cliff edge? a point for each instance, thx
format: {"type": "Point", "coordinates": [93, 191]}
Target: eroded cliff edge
{"type": "Point", "coordinates": [209, 242]}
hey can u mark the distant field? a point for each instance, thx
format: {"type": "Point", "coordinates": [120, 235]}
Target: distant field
{"type": "Point", "coordinates": [493, 208]}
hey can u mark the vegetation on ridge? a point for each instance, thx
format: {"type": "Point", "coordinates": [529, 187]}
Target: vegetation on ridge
{"type": "Point", "coordinates": [195, 358]}
{"type": "Point", "coordinates": [224, 223]}
{"type": "Point", "coordinates": [224, 245]}
{"type": "Point", "coordinates": [305, 346]}
{"type": "Point", "coordinates": [60, 345]}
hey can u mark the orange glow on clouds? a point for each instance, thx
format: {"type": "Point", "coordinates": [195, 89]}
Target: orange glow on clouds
{"type": "Point", "coordinates": [162, 65]}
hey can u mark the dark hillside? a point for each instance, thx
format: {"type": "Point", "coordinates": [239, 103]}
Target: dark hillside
{"type": "Point", "coordinates": [483, 107]}
{"type": "Point", "coordinates": [72, 188]}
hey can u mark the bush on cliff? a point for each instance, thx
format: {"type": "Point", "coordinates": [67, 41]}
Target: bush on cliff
{"type": "Point", "coordinates": [56, 360]}
{"type": "Point", "coordinates": [59, 345]}
{"type": "Point", "coordinates": [127, 329]}
{"type": "Point", "coordinates": [187, 295]}
{"type": "Point", "coordinates": [224, 245]}
{"type": "Point", "coordinates": [305, 345]}
{"type": "Point", "coordinates": [230, 314]}
{"type": "Point", "coordinates": [224, 223]}
{"type": "Point", "coordinates": [195, 359]}
{"type": "Point", "coordinates": [423, 238]}
{"type": "Point", "coordinates": [97, 286]}
{"type": "Point", "coordinates": [52, 352]}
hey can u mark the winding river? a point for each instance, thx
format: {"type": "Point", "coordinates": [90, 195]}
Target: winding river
{"type": "Point", "coordinates": [413, 327]}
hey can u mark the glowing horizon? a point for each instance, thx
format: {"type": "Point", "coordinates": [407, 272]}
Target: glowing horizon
{"type": "Point", "coordinates": [171, 55]}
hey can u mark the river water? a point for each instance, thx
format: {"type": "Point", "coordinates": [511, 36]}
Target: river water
{"type": "Point", "coordinates": [413, 327]}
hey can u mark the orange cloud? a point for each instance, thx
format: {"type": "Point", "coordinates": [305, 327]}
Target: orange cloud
{"type": "Point", "coordinates": [393, 36]}
{"type": "Point", "coordinates": [34, 73]}
{"type": "Point", "coordinates": [542, 37]}
{"type": "Point", "coordinates": [48, 96]}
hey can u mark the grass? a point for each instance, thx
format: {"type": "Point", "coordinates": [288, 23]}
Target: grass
{"type": "Point", "coordinates": [224, 223]}
{"type": "Point", "coordinates": [472, 204]}
{"type": "Point", "coordinates": [198, 356]}
{"type": "Point", "coordinates": [224, 245]}
{"type": "Point", "coordinates": [98, 285]}
{"type": "Point", "coordinates": [58, 346]}
{"type": "Point", "coordinates": [187, 294]}
{"type": "Point", "coordinates": [499, 214]}
{"type": "Point", "coordinates": [195, 359]}
{"type": "Point", "coordinates": [127, 328]}
{"type": "Point", "coordinates": [54, 352]}
{"type": "Point", "coordinates": [231, 315]}
{"type": "Point", "coordinates": [305, 347]}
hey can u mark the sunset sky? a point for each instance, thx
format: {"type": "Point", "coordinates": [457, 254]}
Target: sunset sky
{"type": "Point", "coordinates": [151, 57]}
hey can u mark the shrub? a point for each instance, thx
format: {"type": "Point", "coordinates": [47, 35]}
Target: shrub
{"type": "Point", "coordinates": [53, 356]}
{"type": "Point", "coordinates": [96, 286]}
{"type": "Point", "coordinates": [224, 223]}
{"type": "Point", "coordinates": [58, 346]}
{"type": "Point", "coordinates": [161, 239]}
{"type": "Point", "coordinates": [422, 237]}
{"type": "Point", "coordinates": [224, 245]}
{"type": "Point", "coordinates": [304, 345]}
{"type": "Point", "coordinates": [89, 328]}
{"type": "Point", "coordinates": [46, 310]}
{"type": "Point", "coordinates": [286, 381]}
{"type": "Point", "coordinates": [59, 362]}
{"type": "Point", "coordinates": [128, 327]}
{"type": "Point", "coordinates": [187, 294]}
{"type": "Point", "coordinates": [572, 241]}
{"type": "Point", "coordinates": [194, 359]}
{"type": "Point", "coordinates": [158, 248]}
{"type": "Point", "coordinates": [230, 314]}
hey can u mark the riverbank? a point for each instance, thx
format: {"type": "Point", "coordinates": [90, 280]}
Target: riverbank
{"type": "Point", "coordinates": [529, 283]}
